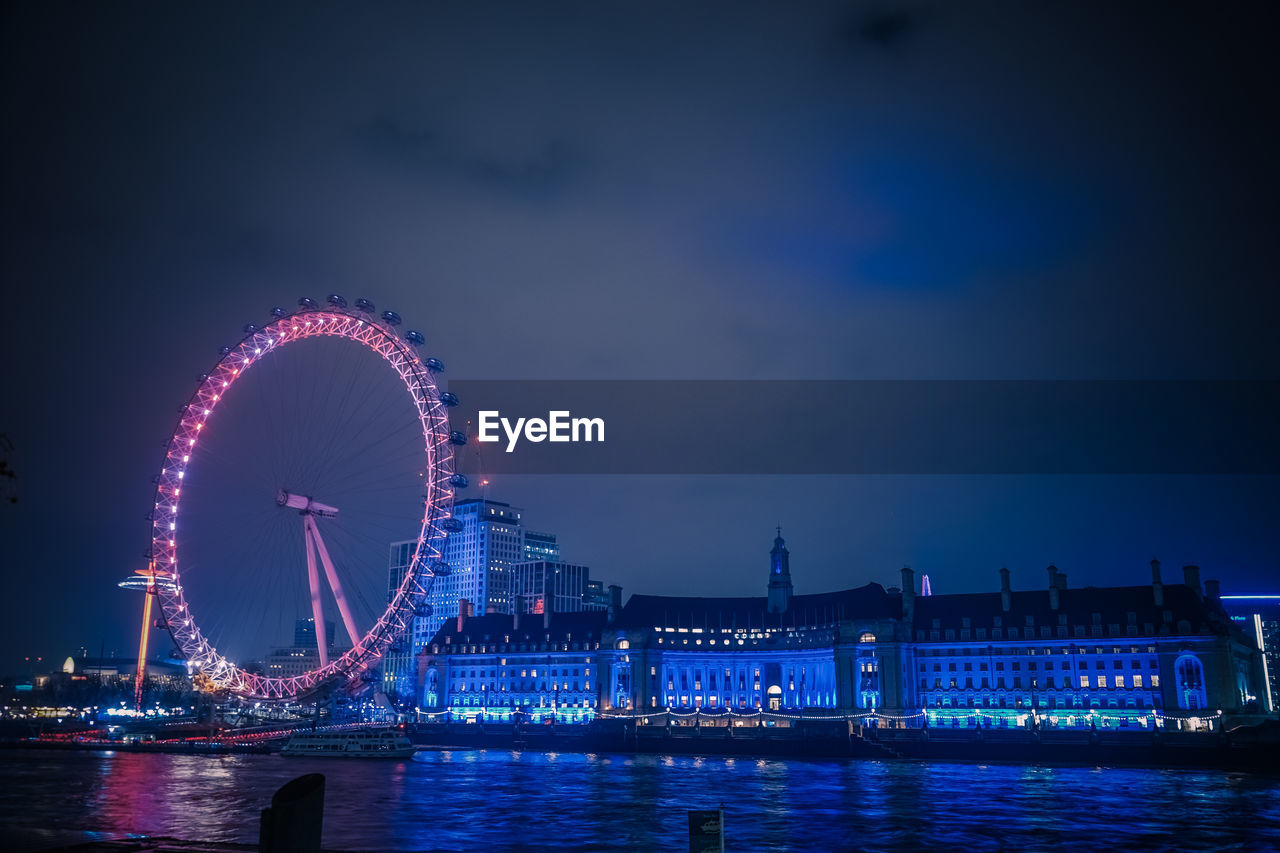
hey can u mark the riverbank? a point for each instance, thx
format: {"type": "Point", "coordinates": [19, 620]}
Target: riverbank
{"type": "Point", "coordinates": [1254, 749]}
{"type": "Point", "coordinates": [180, 748]}
{"type": "Point", "coordinates": [1240, 750]}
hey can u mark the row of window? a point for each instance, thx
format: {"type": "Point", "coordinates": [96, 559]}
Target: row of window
{"type": "Point", "coordinates": [1119, 681]}
{"type": "Point", "coordinates": [508, 646]}
{"type": "Point", "coordinates": [1032, 666]}
{"type": "Point", "coordinates": [516, 702]}
{"type": "Point", "coordinates": [944, 701]}
{"type": "Point", "coordinates": [1047, 632]}
{"type": "Point", "coordinates": [716, 701]}
{"type": "Point", "coordinates": [802, 640]}
{"type": "Point", "coordinates": [1029, 620]}
{"type": "Point", "coordinates": [521, 687]}
{"type": "Point", "coordinates": [524, 673]}
{"type": "Point", "coordinates": [1018, 651]}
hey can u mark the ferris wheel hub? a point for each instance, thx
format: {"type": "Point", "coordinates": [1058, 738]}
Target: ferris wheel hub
{"type": "Point", "coordinates": [305, 503]}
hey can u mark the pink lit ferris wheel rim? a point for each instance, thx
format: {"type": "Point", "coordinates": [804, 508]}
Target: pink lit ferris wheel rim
{"type": "Point", "coordinates": [310, 321]}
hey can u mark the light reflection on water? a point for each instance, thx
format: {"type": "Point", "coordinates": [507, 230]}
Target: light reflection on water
{"type": "Point", "coordinates": [502, 800]}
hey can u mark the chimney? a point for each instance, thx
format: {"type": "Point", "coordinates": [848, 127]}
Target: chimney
{"type": "Point", "coordinates": [1212, 590]}
{"type": "Point", "coordinates": [1006, 595]}
{"type": "Point", "coordinates": [1053, 587]}
{"type": "Point", "coordinates": [615, 601]}
{"type": "Point", "coordinates": [1191, 577]}
{"type": "Point", "coordinates": [908, 595]}
{"type": "Point", "coordinates": [1157, 588]}
{"type": "Point", "coordinates": [490, 609]}
{"type": "Point", "coordinates": [464, 610]}
{"type": "Point", "coordinates": [548, 604]}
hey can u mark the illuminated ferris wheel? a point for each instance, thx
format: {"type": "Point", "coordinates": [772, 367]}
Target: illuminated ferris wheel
{"type": "Point", "coordinates": [326, 457]}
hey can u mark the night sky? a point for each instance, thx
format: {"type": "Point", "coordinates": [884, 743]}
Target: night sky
{"type": "Point", "coordinates": [733, 191]}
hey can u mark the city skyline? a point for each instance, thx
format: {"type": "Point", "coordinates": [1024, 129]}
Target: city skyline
{"type": "Point", "coordinates": [739, 583]}
{"type": "Point", "coordinates": [924, 236]}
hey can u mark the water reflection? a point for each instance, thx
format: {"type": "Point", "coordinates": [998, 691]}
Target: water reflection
{"type": "Point", "coordinates": [503, 800]}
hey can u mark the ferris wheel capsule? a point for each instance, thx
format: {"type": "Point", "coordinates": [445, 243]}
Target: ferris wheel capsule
{"type": "Point", "coordinates": [449, 398]}
{"type": "Point", "coordinates": [458, 439]}
{"type": "Point", "coordinates": [458, 481]}
{"type": "Point", "coordinates": [452, 525]}
{"type": "Point", "coordinates": [250, 328]}
{"type": "Point", "coordinates": [278, 312]}
{"type": "Point", "coordinates": [224, 351]}
{"type": "Point", "coordinates": [415, 338]}
{"type": "Point", "coordinates": [308, 303]}
{"type": "Point", "coordinates": [365, 305]}
{"type": "Point", "coordinates": [441, 568]}
{"type": "Point", "coordinates": [435, 365]}
{"type": "Point", "coordinates": [336, 301]}
{"type": "Point", "coordinates": [391, 318]}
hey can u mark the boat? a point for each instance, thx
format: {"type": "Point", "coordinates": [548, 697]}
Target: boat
{"type": "Point", "coordinates": [366, 743]}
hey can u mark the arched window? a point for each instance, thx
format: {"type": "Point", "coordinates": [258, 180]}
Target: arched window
{"type": "Point", "coordinates": [1191, 691]}
{"type": "Point", "coordinates": [867, 637]}
{"type": "Point", "coordinates": [433, 688]}
{"type": "Point", "coordinates": [869, 682]}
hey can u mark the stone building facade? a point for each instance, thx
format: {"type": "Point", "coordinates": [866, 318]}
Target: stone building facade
{"type": "Point", "coordinates": [1132, 655]}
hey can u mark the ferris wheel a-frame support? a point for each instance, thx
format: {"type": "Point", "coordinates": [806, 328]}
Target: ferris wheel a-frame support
{"type": "Point", "coordinates": [315, 546]}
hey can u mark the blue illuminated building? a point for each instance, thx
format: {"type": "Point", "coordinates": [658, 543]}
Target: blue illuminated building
{"type": "Point", "coordinates": [398, 661]}
{"type": "Point", "coordinates": [1259, 615]}
{"type": "Point", "coordinates": [481, 557]}
{"type": "Point", "coordinates": [1148, 655]}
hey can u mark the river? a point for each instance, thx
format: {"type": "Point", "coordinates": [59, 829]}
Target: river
{"type": "Point", "coordinates": [500, 800]}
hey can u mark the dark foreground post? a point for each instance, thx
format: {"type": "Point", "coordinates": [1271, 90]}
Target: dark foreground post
{"type": "Point", "coordinates": [292, 823]}
{"type": "Point", "coordinates": [706, 831]}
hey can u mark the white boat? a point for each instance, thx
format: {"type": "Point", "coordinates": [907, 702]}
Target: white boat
{"type": "Point", "coordinates": [365, 743]}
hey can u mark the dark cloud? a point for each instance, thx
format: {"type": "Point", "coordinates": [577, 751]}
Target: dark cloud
{"type": "Point", "coordinates": [885, 27]}
{"type": "Point", "coordinates": [829, 191]}
{"type": "Point", "coordinates": [550, 169]}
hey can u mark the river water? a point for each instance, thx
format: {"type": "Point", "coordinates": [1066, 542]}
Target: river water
{"type": "Point", "coordinates": [499, 800]}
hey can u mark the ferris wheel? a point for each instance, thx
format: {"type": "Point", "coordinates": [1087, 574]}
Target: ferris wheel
{"type": "Point", "coordinates": [205, 563]}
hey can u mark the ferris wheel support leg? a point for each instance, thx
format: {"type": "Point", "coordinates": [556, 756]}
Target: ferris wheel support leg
{"type": "Point", "coordinates": [313, 578]}
{"type": "Point", "coordinates": [140, 677]}
{"type": "Point", "coordinates": [334, 583]}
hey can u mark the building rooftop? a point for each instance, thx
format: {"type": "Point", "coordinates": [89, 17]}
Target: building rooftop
{"type": "Point", "coordinates": [650, 611]}
{"type": "Point", "coordinates": [496, 627]}
{"type": "Point", "coordinates": [1113, 604]}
